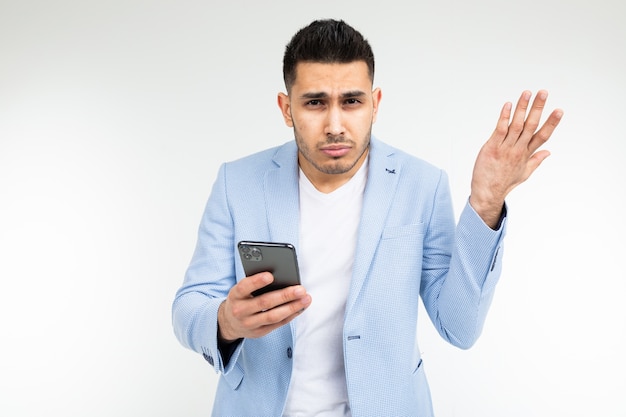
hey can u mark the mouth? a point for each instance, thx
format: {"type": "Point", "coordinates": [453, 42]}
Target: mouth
{"type": "Point", "coordinates": [336, 151]}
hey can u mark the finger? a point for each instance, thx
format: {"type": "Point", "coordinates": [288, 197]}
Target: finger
{"type": "Point", "coordinates": [534, 161]}
{"type": "Point", "coordinates": [263, 330]}
{"type": "Point", "coordinates": [274, 299]}
{"type": "Point", "coordinates": [282, 312]}
{"type": "Point", "coordinates": [546, 130]}
{"type": "Point", "coordinates": [248, 285]}
{"type": "Point", "coordinates": [517, 124]}
{"type": "Point", "coordinates": [266, 320]}
{"type": "Point", "coordinates": [534, 116]}
{"type": "Point", "coordinates": [502, 127]}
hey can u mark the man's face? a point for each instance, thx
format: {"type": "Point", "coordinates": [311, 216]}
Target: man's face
{"type": "Point", "coordinates": [331, 108]}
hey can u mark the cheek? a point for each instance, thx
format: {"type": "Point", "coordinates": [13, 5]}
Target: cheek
{"type": "Point", "coordinates": [304, 125]}
{"type": "Point", "coordinates": [361, 124]}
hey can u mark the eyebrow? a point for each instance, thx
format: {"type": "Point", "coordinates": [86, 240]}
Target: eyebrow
{"type": "Point", "coordinates": [322, 95]}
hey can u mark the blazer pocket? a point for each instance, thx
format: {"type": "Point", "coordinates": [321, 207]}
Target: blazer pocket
{"type": "Point", "coordinates": [399, 256]}
{"type": "Point", "coordinates": [403, 231]}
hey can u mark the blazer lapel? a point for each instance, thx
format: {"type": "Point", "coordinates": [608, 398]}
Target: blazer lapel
{"type": "Point", "coordinates": [382, 182]}
{"type": "Point", "coordinates": [282, 199]}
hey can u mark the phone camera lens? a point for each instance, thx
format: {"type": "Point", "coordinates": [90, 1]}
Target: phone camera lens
{"type": "Point", "coordinates": [256, 252]}
{"type": "Point", "coordinates": [245, 249]}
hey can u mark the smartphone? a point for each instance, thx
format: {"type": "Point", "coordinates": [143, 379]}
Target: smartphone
{"type": "Point", "coordinates": [278, 258]}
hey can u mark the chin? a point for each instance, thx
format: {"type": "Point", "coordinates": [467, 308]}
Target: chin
{"type": "Point", "coordinates": [337, 168]}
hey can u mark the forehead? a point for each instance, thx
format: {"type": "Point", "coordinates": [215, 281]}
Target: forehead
{"type": "Point", "coordinates": [332, 76]}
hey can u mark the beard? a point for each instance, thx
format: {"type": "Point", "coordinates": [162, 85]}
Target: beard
{"type": "Point", "coordinates": [338, 165]}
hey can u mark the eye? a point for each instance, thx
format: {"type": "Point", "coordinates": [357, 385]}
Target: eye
{"type": "Point", "coordinates": [352, 102]}
{"type": "Point", "coordinates": [314, 103]}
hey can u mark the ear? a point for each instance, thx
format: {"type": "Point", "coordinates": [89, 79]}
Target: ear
{"type": "Point", "coordinates": [285, 107]}
{"type": "Point", "coordinates": [377, 95]}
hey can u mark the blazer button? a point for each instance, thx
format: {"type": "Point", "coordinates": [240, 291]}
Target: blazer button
{"type": "Point", "coordinates": [208, 358]}
{"type": "Point", "coordinates": [289, 353]}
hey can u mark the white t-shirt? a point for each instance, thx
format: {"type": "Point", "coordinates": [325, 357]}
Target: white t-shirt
{"type": "Point", "coordinates": [328, 233]}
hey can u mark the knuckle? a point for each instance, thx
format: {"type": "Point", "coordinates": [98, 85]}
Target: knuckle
{"type": "Point", "coordinates": [542, 137]}
{"type": "Point", "coordinates": [238, 291]}
{"type": "Point", "coordinates": [274, 316]}
{"type": "Point", "coordinates": [248, 323]}
{"type": "Point", "coordinates": [531, 125]}
{"type": "Point", "coordinates": [516, 127]}
{"type": "Point", "coordinates": [502, 130]}
{"type": "Point", "coordinates": [263, 303]}
{"type": "Point", "coordinates": [286, 296]}
{"type": "Point", "coordinates": [279, 316]}
{"type": "Point", "coordinates": [236, 310]}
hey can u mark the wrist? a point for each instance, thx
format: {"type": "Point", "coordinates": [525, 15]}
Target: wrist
{"type": "Point", "coordinates": [490, 211]}
{"type": "Point", "coordinates": [224, 335]}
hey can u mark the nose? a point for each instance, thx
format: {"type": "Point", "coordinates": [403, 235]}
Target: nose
{"type": "Point", "coordinates": [334, 122]}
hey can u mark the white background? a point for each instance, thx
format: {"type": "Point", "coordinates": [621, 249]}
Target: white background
{"type": "Point", "coordinates": [114, 118]}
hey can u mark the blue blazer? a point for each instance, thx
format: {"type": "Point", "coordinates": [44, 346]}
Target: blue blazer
{"type": "Point", "coordinates": [407, 245]}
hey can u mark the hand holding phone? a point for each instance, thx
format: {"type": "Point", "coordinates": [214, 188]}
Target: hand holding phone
{"type": "Point", "coordinates": [242, 316]}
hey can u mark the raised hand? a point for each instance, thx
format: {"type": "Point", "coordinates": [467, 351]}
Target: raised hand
{"type": "Point", "coordinates": [511, 154]}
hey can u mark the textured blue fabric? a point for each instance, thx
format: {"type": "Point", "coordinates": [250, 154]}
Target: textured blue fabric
{"type": "Point", "coordinates": [408, 244]}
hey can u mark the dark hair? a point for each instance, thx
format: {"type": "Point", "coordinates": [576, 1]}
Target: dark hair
{"type": "Point", "coordinates": [326, 41]}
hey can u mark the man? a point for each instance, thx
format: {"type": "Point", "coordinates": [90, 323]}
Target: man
{"type": "Point", "coordinates": [374, 230]}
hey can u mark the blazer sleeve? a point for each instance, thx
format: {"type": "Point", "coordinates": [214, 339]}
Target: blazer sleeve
{"type": "Point", "coordinates": [209, 277]}
{"type": "Point", "coordinates": [458, 283]}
